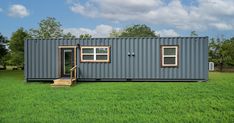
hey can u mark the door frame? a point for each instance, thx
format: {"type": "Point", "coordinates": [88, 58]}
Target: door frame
{"type": "Point", "coordinates": [59, 69]}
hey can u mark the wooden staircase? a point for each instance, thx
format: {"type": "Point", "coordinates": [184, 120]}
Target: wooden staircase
{"type": "Point", "coordinates": [66, 81]}
{"type": "Point", "coordinates": [63, 82]}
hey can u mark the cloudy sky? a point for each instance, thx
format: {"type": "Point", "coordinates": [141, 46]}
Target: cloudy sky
{"type": "Point", "coordinates": [99, 17]}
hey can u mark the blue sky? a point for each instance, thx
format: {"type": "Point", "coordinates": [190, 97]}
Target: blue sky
{"type": "Point", "coordinates": [99, 17]}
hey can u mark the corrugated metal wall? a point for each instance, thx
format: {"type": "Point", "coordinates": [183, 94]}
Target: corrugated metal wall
{"type": "Point", "coordinates": [42, 55]}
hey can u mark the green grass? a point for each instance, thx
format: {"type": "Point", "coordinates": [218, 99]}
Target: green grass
{"type": "Point", "coordinates": [211, 101]}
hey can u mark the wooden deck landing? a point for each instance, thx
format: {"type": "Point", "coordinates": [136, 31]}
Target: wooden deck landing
{"type": "Point", "coordinates": [63, 82]}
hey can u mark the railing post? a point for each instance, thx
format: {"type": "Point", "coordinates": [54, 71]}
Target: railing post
{"type": "Point", "coordinates": [71, 75]}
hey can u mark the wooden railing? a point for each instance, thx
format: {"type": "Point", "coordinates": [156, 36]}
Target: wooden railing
{"type": "Point", "coordinates": [71, 71]}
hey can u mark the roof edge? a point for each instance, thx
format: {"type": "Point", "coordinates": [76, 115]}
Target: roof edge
{"type": "Point", "coordinates": [116, 38]}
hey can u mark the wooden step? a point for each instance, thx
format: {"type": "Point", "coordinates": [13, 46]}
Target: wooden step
{"type": "Point", "coordinates": [63, 82]}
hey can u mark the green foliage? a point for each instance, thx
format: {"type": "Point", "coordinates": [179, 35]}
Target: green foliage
{"type": "Point", "coordinates": [193, 34]}
{"type": "Point", "coordinates": [137, 102]}
{"type": "Point", "coordinates": [16, 42]}
{"type": "Point", "coordinates": [138, 30]}
{"type": "Point", "coordinates": [3, 50]}
{"type": "Point", "coordinates": [115, 33]}
{"type": "Point", "coordinates": [228, 51]}
{"type": "Point", "coordinates": [6, 60]}
{"type": "Point", "coordinates": [3, 39]}
{"type": "Point", "coordinates": [214, 51]}
{"type": "Point", "coordinates": [48, 28]}
{"type": "Point", "coordinates": [221, 52]}
{"type": "Point", "coordinates": [85, 36]}
{"type": "Point", "coordinates": [16, 45]}
{"type": "Point", "coordinates": [3, 53]}
{"type": "Point", "coordinates": [68, 36]}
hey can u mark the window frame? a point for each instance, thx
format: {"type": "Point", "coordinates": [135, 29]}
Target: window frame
{"type": "Point", "coordinates": [176, 56]}
{"type": "Point", "coordinates": [94, 54]}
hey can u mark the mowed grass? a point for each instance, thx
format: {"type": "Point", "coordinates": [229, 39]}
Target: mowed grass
{"type": "Point", "coordinates": [211, 101]}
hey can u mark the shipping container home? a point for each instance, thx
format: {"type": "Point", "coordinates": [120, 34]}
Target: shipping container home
{"type": "Point", "coordinates": [117, 59]}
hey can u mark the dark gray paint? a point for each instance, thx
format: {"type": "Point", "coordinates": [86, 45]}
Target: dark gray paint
{"type": "Point", "coordinates": [41, 59]}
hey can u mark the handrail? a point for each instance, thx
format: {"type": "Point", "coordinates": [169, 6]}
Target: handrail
{"type": "Point", "coordinates": [71, 70]}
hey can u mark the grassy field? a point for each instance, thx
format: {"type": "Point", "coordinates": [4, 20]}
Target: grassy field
{"type": "Point", "coordinates": [211, 101]}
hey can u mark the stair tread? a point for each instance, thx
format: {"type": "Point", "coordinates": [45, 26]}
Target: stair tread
{"type": "Point", "coordinates": [55, 85]}
{"type": "Point", "coordinates": [63, 82]}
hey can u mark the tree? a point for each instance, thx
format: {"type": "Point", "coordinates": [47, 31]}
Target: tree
{"type": "Point", "coordinates": [16, 45]}
{"type": "Point", "coordinates": [3, 39]}
{"type": "Point", "coordinates": [227, 49]}
{"type": "Point", "coordinates": [215, 52]}
{"type": "Point", "coordinates": [85, 36]}
{"type": "Point", "coordinates": [69, 36]}
{"type": "Point", "coordinates": [221, 52]}
{"type": "Point", "coordinates": [138, 30]}
{"type": "Point", "coordinates": [193, 34]}
{"type": "Point", "coordinates": [48, 28]}
{"type": "Point", "coordinates": [115, 33]}
{"type": "Point", "coordinates": [3, 50]}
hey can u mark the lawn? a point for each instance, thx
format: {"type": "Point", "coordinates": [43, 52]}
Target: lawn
{"type": "Point", "coordinates": [211, 101]}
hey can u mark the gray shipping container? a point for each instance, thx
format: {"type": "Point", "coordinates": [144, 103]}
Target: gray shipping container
{"type": "Point", "coordinates": [130, 59]}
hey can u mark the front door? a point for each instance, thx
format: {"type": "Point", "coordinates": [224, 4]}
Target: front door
{"type": "Point", "coordinates": [67, 60]}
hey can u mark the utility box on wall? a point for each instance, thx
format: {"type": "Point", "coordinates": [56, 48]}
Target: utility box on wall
{"type": "Point", "coordinates": [211, 66]}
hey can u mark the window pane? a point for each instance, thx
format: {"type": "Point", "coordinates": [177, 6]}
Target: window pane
{"type": "Point", "coordinates": [169, 51]}
{"type": "Point", "coordinates": [87, 50]}
{"type": "Point", "coordinates": [88, 57]}
{"type": "Point", "coordinates": [101, 57]}
{"type": "Point", "coordinates": [101, 50]}
{"type": "Point", "coordinates": [169, 60]}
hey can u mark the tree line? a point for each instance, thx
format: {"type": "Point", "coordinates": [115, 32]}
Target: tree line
{"type": "Point", "coordinates": [220, 51]}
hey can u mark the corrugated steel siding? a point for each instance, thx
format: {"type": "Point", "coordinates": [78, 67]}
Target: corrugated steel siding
{"type": "Point", "coordinates": [42, 59]}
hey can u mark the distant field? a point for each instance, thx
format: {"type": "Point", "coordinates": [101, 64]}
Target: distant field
{"type": "Point", "coordinates": [207, 102]}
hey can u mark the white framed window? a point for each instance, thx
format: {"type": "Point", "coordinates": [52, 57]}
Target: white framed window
{"type": "Point", "coordinates": [95, 53]}
{"type": "Point", "coordinates": [169, 56]}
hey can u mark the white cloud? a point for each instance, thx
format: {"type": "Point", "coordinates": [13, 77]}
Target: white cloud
{"type": "Point", "coordinates": [167, 33]}
{"type": "Point", "coordinates": [222, 26]}
{"type": "Point", "coordinates": [216, 7]}
{"type": "Point", "coordinates": [1, 9]}
{"type": "Point", "coordinates": [99, 31]}
{"type": "Point", "coordinates": [18, 10]}
{"type": "Point", "coordinates": [115, 10]}
{"type": "Point", "coordinates": [173, 13]}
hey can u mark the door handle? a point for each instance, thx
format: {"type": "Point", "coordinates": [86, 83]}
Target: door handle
{"type": "Point", "coordinates": [133, 54]}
